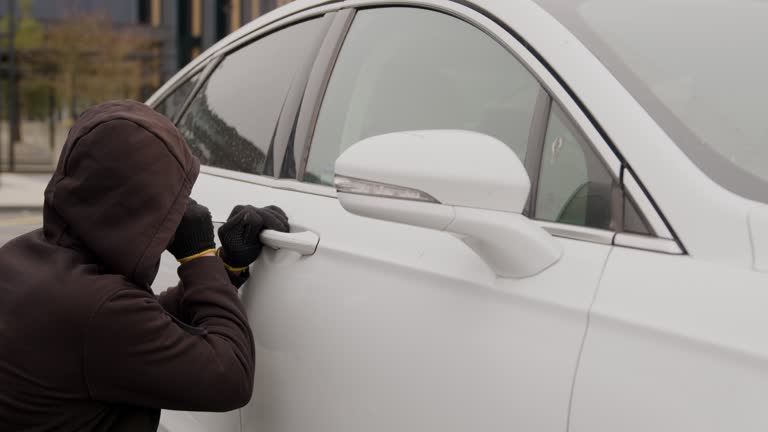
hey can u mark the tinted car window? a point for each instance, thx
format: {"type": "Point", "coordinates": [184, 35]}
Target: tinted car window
{"type": "Point", "coordinates": [409, 69]}
{"type": "Point", "coordinates": [231, 121]}
{"type": "Point", "coordinates": [574, 185]}
{"type": "Point", "coordinates": [172, 103]}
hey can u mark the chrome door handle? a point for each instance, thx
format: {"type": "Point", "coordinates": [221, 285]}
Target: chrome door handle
{"type": "Point", "coordinates": [304, 242]}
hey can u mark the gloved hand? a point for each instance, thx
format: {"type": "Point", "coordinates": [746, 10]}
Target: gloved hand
{"type": "Point", "coordinates": [239, 236]}
{"type": "Point", "coordinates": [194, 235]}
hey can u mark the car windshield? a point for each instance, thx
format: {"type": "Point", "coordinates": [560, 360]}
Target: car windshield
{"type": "Point", "coordinates": [699, 67]}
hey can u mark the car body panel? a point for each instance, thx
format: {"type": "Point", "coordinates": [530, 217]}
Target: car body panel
{"type": "Point", "coordinates": [172, 421]}
{"type": "Point", "coordinates": [390, 327]}
{"type": "Point", "coordinates": [674, 344]}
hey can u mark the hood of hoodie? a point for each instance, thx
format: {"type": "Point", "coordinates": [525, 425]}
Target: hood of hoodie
{"type": "Point", "coordinates": [120, 188]}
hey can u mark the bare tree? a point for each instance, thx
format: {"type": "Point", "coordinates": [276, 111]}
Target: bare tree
{"type": "Point", "coordinates": [96, 61]}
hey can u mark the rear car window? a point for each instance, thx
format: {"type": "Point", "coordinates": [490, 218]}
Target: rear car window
{"type": "Point", "coordinates": [231, 121]}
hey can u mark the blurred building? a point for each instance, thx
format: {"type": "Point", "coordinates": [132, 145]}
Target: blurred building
{"type": "Point", "coordinates": [184, 28]}
{"type": "Point", "coordinates": [70, 54]}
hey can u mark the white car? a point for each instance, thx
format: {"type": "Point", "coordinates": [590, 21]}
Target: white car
{"type": "Point", "coordinates": [508, 215]}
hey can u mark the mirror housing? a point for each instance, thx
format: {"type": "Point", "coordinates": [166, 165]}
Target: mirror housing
{"type": "Point", "coordinates": [454, 167]}
{"type": "Point", "coordinates": [465, 183]}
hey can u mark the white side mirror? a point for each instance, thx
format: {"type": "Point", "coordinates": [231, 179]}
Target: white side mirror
{"type": "Point", "coordinates": [465, 183]}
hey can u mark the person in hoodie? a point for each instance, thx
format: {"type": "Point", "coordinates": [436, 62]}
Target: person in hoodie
{"type": "Point", "coordinates": [84, 343]}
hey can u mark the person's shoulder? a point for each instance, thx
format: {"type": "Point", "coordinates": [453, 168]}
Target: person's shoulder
{"type": "Point", "coordinates": [75, 294]}
{"type": "Point", "coordinates": [118, 289]}
{"type": "Point", "coordinates": [84, 294]}
{"type": "Point", "coordinates": [126, 309]}
{"type": "Point", "coordinates": [56, 281]}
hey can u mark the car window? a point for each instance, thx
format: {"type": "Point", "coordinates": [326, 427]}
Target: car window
{"type": "Point", "coordinates": [231, 121]}
{"type": "Point", "coordinates": [171, 104]}
{"type": "Point", "coordinates": [574, 185]}
{"type": "Point", "coordinates": [409, 69]}
{"type": "Point", "coordinates": [633, 221]}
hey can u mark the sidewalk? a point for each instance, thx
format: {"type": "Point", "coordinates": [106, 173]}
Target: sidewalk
{"type": "Point", "coordinates": [22, 191]}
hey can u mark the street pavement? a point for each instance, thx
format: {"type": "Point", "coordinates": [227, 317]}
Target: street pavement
{"type": "Point", "coordinates": [22, 191]}
{"type": "Point", "coordinates": [16, 223]}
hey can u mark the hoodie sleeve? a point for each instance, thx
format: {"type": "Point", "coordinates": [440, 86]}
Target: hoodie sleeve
{"type": "Point", "coordinates": [170, 300]}
{"type": "Point", "coordinates": [136, 353]}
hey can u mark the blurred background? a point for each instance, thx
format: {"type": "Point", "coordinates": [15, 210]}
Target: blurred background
{"type": "Point", "coordinates": [58, 57]}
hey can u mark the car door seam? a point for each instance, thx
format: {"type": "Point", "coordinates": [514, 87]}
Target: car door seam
{"type": "Point", "coordinates": [584, 338]}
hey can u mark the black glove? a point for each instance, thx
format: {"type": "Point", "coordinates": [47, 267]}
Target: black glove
{"type": "Point", "coordinates": [239, 236]}
{"type": "Point", "coordinates": [194, 235]}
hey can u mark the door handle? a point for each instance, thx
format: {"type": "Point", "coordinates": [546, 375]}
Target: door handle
{"type": "Point", "coordinates": [304, 242]}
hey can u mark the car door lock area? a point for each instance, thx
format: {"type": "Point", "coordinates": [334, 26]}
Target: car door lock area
{"type": "Point", "coordinates": [304, 242]}
{"type": "Point", "coordinates": [300, 240]}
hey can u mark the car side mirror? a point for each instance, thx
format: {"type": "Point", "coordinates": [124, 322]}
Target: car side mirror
{"type": "Point", "coordinates": [465, 183]}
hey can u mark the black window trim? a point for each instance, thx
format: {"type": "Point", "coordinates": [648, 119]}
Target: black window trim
{"type": "Point", "coordinates": [287, 123]}
{"type": "Point", "coordinates": [316, 87]}
{"type": "Point", "coordinates": [535, 150]}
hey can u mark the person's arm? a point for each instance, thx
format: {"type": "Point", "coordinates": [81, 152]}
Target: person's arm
{"type": "Point", "coordinates": [193, 239]}
{"type": "Point", "coordinates": [136, 353]}
{"type": "Point", "coordinates": [240, 248]}
{"type": "Point", "coordinates": [170, 300]}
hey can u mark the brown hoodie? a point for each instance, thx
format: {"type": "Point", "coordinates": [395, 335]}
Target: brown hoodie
{"type": "Point", "coordinates": [84, 344]}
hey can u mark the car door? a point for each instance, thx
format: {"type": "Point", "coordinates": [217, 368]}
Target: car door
{"type": "Point", "coordinates": [230, 121]}
{"type": "Point", "coordinates": [387, 326]}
